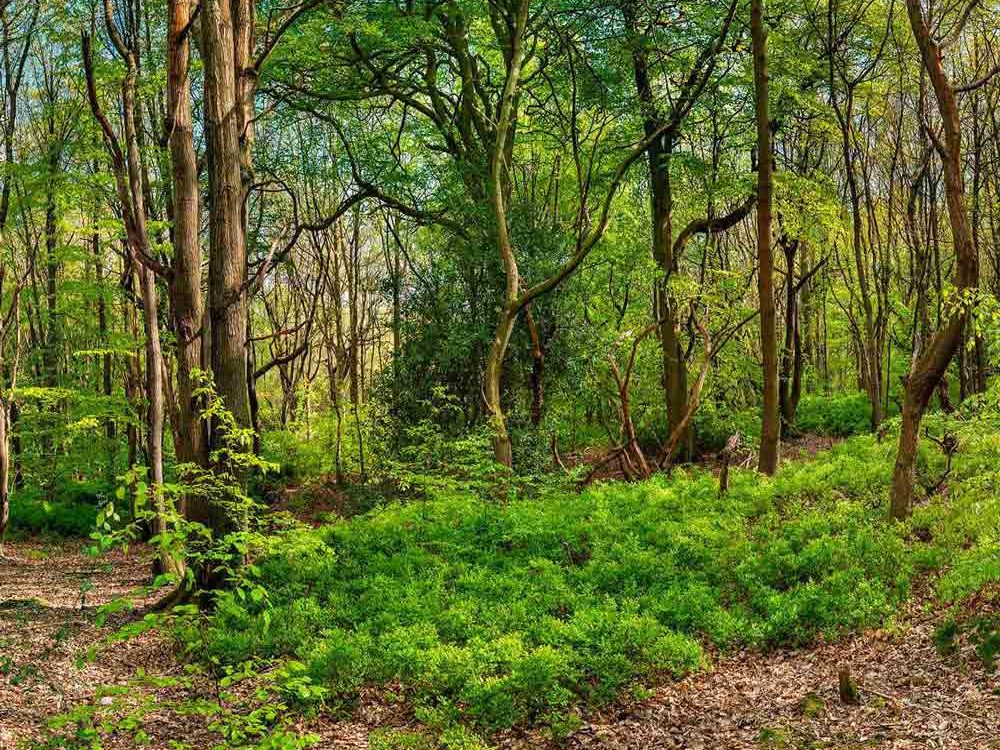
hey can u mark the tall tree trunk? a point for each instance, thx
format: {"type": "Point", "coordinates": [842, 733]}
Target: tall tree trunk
{"type": "Point", "coordinates": [499, 184]}
{"type": "Point", "coordinates": [132, 194]}
{"type": "Point", "coordinates": [227, 270]}
{"type": "Point", "coordinates": [155, 406]}
{"type": "Point", "coordinates": [185, 282]}
{"type": "Point", "coordinates": [770, 433]}
{"type": "Point", "coordinates": [927, 370]}
{"type": "Point", "coordinates": [674, 374]}
{"type": "Point", "coordinates": [107, 385]}
{"type": "Point", "coordinates": [9, 326]}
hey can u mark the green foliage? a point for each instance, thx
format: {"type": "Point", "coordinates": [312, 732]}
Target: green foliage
{"type": "Point", "coordinates": [499, 614]}
{"type": "Point", "coordinates": [837, 416]}
{"type": "Point", "coordinates": [715, 423]}
{"type": "Point", "coordinates": [243, 716]}
{"type": "Point", "coordinates": [35, 515]}
{"type": "Point", "coordinates": [843, 415]}
{"type": "Point", "coordinates": [300, 453]}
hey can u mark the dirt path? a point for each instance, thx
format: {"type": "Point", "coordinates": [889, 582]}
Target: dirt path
{"type": "Point", "coordinates": [49, 594]}
{"type": "Point", "coordinates": [911, 696]}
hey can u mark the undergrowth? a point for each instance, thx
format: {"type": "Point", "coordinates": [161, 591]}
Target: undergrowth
{"type": "Point", "coordinates": [492, 614]}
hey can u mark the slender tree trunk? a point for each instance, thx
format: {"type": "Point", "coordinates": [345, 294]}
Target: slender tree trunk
{"type": "Point", "coordinates": [537, 367]}
{"type": "Point", "coordinates": [155, 404]}
{"type": "Point", "coordinates": [492, 379]}
{"type": "Point", "coordinates": [185, 283]}
{"type": "Point", "coordinates": [4, 470]}
{"type": "Point", "coordinates": [498, 192]}
{"type": "Point", "coordinates": [53, 345]}
{"type": "Point", "coordinates": [770, 434]}
{"type": "Point", "coordinates": [790, 356]}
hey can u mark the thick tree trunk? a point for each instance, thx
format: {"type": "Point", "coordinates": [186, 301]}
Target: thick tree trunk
{"type": "Point", "coordinates": [227, 271]}
{"type": "Point", "coordinates": [770, 434]}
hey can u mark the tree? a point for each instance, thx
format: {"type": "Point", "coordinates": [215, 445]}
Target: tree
{"type": "Point", "coordinates": [128, 172]}
{"type": "Point", "coordinates": [770, 433]}
{"type": "Point", "coordinates": [928, 368]}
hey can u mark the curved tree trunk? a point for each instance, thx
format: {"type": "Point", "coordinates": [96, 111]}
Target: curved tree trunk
{"type": "Point", "coordinates": [932, 363]}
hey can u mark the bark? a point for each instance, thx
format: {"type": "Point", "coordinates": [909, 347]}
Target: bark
{"type": "Point", "coordinates": [185, 281]}
{"type": "Point", "coordinates": [14, 62]}
{"type": "Point", "coordinates": [693, 396]}
{"type": "Point", "coordinates": [50, 354]}
{"type": "Point", "coordinates": [770, 424]}
{"type": "Point", "coordinates": [661, 209]}
{"type": "Point", "coordinates": [789, 380]}
{"type": "Point", "coordinates": [504, 136]}
{"type": "Point", "coordinates": [227, 270]}
{"type": "Point", "coordinates": [928, 369]}
{"type": "Point", "coordinates": [128, 172]}
{"type": "Point", "coordinates": [9, 328]}
{"type": "Point", "coordinates": [4, 471]}
{"type": "Point", "coordinates": [155, 406]}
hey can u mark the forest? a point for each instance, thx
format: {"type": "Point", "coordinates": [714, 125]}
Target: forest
{"type": "Point", "coordinates": [499, 374]}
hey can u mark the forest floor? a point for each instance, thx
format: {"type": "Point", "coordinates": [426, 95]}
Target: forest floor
{"type": "Point", "coordinates": [603, 468]}
{"type": "Point", "coordinates": [911, 696]}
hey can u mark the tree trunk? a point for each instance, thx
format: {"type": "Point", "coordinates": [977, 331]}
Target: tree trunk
{"type": "Point", "coordinates": [770, 434]}
{"type": "Point", "coordinates": [537, 367]}
{"type": "Point", "coordinates": [928, 369]}
{"type": "Point", "coordinates": [674, 377]}
{"type": "Point", "coordinates": [155, 406]}
{"type": "Point", "coordinates": [4, 471]}
{"type": "Point", "coordinates": [791, 356]}
{"type": "Point", "coordinates": [227, 270]}
{"type": "Point", "coordinates": [185, 283]}
{"type": "Point", "coordinates": [502, 450]}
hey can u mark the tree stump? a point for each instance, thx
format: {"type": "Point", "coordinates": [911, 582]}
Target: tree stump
{"type": "Point", "coordinates": [849, 694]}
{"type": "Point", "coordinates": [727, 458]}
